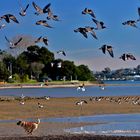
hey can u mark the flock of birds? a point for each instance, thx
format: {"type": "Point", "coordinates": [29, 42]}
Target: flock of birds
{"type": "Point", "coordinates": [45, 10]}
{"type": "Point", "coordinates": [39, 105]}
{"type": "Point", "coordinates": [99, 26]}
{"type": "Point", "coordinates": [83, 30]}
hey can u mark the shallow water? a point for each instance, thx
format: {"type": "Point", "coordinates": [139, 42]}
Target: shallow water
{"type": "Point", "coordinates": [115, 124]}
{"type": "Point", "coordinates": [108, 124]}
{"type": "Point", "coordinates": [72, 92]}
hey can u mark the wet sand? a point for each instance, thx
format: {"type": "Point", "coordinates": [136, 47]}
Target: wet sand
{"type": "Point", "coordinates": [58, 107]}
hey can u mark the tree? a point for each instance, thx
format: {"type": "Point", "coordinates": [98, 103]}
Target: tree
{"type": "Point", "coordinates": [84, 73]}
{"type": "Point", "coordinates": [37, 68]}
{"type": "Point", "coordinates": [4, 74]}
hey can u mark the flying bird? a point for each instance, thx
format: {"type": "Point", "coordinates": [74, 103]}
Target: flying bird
{"type": "Point", "coordinates": [42, 39]}
{"type": "Point", "coordinates": [82, 31]}
{"type": "Point", "coordinates": [52, 16]}
{"type": "Point", "coordinates": [108, 48]}
{"type": "Point", "coordinates": [39, 10]}
{"type": "Point", "coordinates": [13, 45]}
{"type": "Point", "coordinates": [127, 56]}
{"type": "Point", "coordinates": [90, 29]}
{"type": "Point", "coordinates": [131, 23]}
{"type": "Point", "coordinates": [138, 14]}
{"type": "Point", "coordinates": [88, 11]}
{"type": "Point", "coordinates": [43, 23]}
{"type": "Point", "coordinates": [23, 11]}
{"type": "Point", "coordinates": [99, 24]}
{"type": "Point", "coordinates": [2, 26]}
{"type": "Point", "coordinates": [9, 17]}
{"type": "Point", "coordinates": [61, 52]}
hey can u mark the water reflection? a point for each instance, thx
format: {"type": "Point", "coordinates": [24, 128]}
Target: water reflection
{"type": "Point", "coordinates": [115, 124]}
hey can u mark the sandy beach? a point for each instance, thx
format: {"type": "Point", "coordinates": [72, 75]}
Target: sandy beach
{"type": "Point", "coordinates": [11, 109]}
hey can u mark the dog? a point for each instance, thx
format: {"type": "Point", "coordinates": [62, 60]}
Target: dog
{"type": "Point", "coordinates": [29, 126]}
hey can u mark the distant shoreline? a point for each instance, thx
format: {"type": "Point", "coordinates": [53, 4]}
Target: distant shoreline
{"type": "Point", "coordinates": [63, 85]}
{"type": "Point", "coordinates": [48, 85]}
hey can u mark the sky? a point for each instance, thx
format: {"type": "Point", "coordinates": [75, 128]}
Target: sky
{"type": "Point", "coordinates": [123, 39]}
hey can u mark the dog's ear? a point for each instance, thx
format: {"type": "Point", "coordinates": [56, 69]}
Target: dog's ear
{"type": "Point", "coordinates": [19, 122]}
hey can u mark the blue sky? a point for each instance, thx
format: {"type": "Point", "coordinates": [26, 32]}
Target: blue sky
{"type": "Point", "coordinates": [79, 49]}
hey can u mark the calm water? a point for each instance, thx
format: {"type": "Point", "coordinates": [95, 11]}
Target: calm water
{"type": "Point", "coordinates": [115, 124]}
{"type": "Point", "coordinates": [133, 89]}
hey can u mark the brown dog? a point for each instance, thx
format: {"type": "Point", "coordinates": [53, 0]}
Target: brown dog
{"type": "Point", "coordinates": [29, 126]}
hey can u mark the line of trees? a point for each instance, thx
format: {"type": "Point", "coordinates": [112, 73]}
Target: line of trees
{"type": "Point", "coordinates": [37, 62]}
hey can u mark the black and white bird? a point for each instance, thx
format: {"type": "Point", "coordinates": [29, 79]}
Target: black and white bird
{"type": "Point", "coordinates": [21, 102]}
{"type": "Point", "coordinates": [52, 16]}
{"type": "Point", "coordinates": [108, 48]}
{"type": "Point", "coordinates": [42, 39]}
{"type": "Point", "coordinates": [80, 103]}
{"type": "Point", "coordinates": [43, 23]}
{"type": "Point", "coordinates": [88, 11]}
{"type": "Point", "coordinates": [131, 23]}
{"type": "Point", "coordinates": [61, 52]}
{"type": "Point", "coordinates": [13, 45]}
{"type": "Point", "coordinates": [40, 105]}
{"type": "Point", "coordinates": [8, 18]}
{"type": "Point", "coordinates": [39, 10]}
{"type": "Point", "coordinates": [127, 56]}
{"type": "Point", "coordinates": [86, 30]}
{"type": "Point", "coordinates": [82, 31]}
{"type": "Point", "coordinates": [99, 24]}
{"type": "Point", "coordinates": [91, 31]}
{"type": "Point", "coordinates": [47, 97]}
{"type": "Point", "coordinates": [23, 10]}
{"type": "Point", "coordinates": [81, 87]}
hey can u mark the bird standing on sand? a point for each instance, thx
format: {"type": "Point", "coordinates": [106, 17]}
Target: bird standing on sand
{"type": "Point", "coordinates": [40, 105]}
{"type": "Point", "coordinates": [80, 103]}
